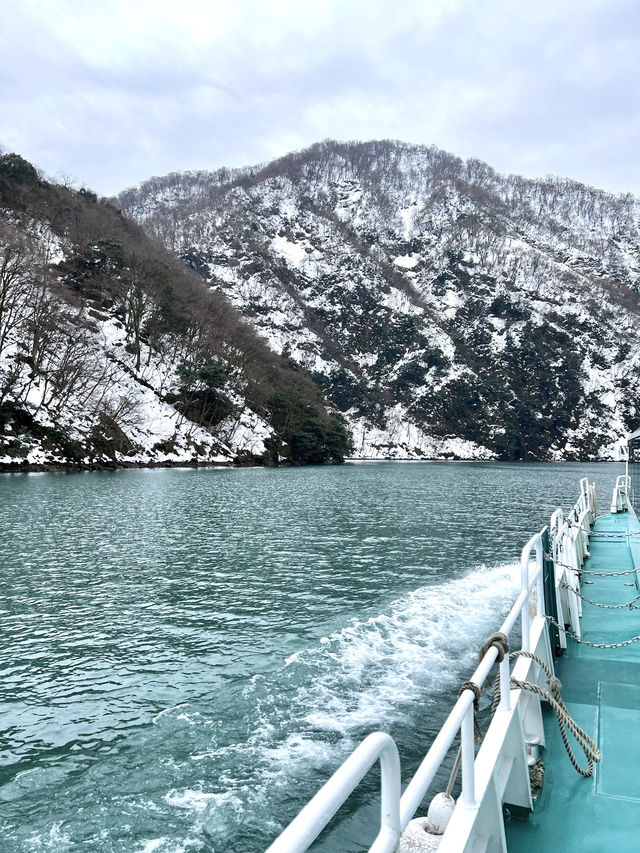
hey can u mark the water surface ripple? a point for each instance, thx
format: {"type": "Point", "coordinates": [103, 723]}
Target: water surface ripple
{"type": "Point", "coordinates": [187, 654]}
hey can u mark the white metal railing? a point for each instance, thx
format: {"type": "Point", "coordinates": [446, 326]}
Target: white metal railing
{"type": "Point", "coordinates": [570, 548]}
{"type": "Point", "coordinates": [313, 818]}
{"type": "Point", "coordinates": [516, 724]}
{"type": "Point", "coordinates": [461, 717]}
{"type": "Point", "coordinates": [621, 494]}
{"type": "Point", "coordinates": [396, 811]}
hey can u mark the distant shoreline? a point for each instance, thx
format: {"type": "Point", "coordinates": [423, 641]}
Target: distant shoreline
{"type": "Point", "coordinates": [60, 467]}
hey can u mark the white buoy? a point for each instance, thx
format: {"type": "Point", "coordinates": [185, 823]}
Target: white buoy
{"type": "Point", "coordinates": [424, 834]}
{"type": "Point", "coordinates": [416, 838]}
{"type": "Point", "coordinates": [440, 811]}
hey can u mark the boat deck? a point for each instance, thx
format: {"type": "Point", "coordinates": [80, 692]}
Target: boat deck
{"type": "Point", "coordinates": [601, 688]}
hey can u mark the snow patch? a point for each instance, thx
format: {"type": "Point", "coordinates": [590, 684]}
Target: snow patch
{"type": "Point", "coordinates": [407, 262]}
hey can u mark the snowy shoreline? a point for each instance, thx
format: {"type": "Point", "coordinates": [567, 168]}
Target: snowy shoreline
{"type": "Point", "coordinates": [24, 467]}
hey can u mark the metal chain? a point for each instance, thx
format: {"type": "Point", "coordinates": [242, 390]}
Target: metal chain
{"type": "Point", "coordinates": [603, 535]}
{"type": "Point", "coordinates": [629, 604]}
{"type": "Point", "coordinates": [593, 574]}
{"type": "Point", "coordinates": [604, 574]}
{"type": "Point", "coordinates": [592, 645]}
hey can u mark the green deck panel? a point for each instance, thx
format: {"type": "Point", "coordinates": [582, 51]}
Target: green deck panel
{"type": "Point", "coordinates": [619, 711]}
{"type": "Point", "coordinates": [601, 688]}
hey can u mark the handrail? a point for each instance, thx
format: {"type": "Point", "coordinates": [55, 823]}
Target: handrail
{"type": "Point", "coordinates": [313, 818]}
{"type": "Point", "coordinates": [569, 549]}
{"type": "Point", "coordinates": [621, 492]}
{"type": "Point", "coordinates": [321, 808]}
{"type": "Point", "coordinates": [569, 545]}
{"type": "Point", "coordinates": [462, 710]}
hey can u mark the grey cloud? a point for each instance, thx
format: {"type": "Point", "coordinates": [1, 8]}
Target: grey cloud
{"type": "Point", "coordinates": [117, 92]}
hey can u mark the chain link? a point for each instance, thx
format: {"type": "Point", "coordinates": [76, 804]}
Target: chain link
{"type": "Point", "coordinates": [592, 645]}
{"type": "Point", "coordinates": [590, 573]}
{"type": "Point", "coordinates": [629, 604]}
{"type": "Point", "coordinates": [602, 535]}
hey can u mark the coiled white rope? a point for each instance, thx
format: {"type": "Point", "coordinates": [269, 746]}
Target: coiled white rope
{"type": "Point", "coordinates": [554, 698]}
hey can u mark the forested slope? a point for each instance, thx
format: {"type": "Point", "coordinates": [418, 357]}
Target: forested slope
{"type": "Point", "coordinates": [113, 352]}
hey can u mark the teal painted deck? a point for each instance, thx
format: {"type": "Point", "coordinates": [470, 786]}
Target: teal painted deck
{"type": "Point", "coordinates": [601, 688]}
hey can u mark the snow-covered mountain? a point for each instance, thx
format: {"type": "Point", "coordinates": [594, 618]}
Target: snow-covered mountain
{"type": "Point", "coordinates": [113, 352]}
{"type": "Point", "coordinates": [447, 310]}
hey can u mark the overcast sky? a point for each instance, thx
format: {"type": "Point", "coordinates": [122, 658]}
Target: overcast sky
{"type": "Point", "coordinates": [114, 91]}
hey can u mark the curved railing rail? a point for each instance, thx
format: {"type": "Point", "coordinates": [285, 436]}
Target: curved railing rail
{"type": "Point", "coordinates": [621, 498]}
{"type": "Point", "coordinates": [313, 818]}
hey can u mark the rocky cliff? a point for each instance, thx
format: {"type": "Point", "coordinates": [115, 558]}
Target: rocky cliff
{"type": "Point", "coordinates": [445, 309]}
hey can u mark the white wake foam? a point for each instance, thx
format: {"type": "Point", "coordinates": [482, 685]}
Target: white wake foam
{"type": "Point", "coordinates": [371, 674]}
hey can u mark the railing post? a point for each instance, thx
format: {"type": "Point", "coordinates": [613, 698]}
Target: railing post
{"type": "Point", "coordinates": [468, 759]}
{"type": "Point", "coordinates": [505, 684]}
{"type": "Point", "coordinates": [390, 795]}
{"type": "Point", "coordinates": [534, 543]}
{"type": "Point", "coordinates": [525, 619]}
{"type": "Point", "coordinates": [570, 555]}
{"type": "Point", "coordinates": [541, 609]}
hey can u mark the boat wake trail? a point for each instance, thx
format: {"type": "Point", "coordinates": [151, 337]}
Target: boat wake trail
{"type": "Point", "coordinates": [392, 672]}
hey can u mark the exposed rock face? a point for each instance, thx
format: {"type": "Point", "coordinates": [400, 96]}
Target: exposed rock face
{"type": "Point", "coordinates": [445, 309]}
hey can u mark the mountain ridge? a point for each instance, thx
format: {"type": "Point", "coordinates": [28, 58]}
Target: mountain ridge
{"type": "Point", "coordinates": [445, 309]}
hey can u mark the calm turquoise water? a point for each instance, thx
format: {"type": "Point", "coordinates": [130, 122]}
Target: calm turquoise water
{"type": "Point", "coordinates": [188, 654]}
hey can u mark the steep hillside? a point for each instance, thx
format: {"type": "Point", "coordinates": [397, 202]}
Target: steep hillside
{"type": "Point", "coordinates": [447, 310]}
{"type": "Point", "coordinates": [113, 352]}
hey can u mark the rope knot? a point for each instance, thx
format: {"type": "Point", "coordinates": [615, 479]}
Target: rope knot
{"type": "Point", "coordinates": [498, 640]}
{"type": "Point", "coordinates": [555, 686]}
{"type": "Point", "coordinates": [477, 693]}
